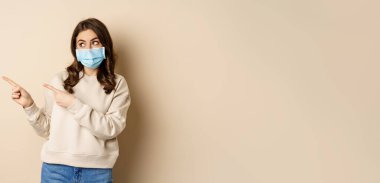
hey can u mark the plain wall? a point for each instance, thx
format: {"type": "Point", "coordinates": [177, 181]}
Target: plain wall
{"type": "Point", "coordinates": [222, 91]}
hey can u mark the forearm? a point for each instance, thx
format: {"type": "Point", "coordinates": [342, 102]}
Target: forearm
{"type": "Point", "coordinates": [103, 126]}
{"type": "Point", "coordinates": [38, 119]}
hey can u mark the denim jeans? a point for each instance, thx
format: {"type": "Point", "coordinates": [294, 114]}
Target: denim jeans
{"type": "Point", "coordinates": [57, 173]}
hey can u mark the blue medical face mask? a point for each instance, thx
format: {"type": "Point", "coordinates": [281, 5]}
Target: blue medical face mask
{"type": "Point", "coordinates": [91, 58]}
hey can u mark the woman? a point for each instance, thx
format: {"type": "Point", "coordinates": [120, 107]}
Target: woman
{"type": "Point", "coordinates": [85, 110]}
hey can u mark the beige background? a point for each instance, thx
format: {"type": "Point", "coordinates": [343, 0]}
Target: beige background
{"type": "Point", "coordinates": [255, 91]}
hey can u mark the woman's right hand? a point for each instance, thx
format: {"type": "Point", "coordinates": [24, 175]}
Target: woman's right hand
{"type": "Point", "coordinates": [19, 94]}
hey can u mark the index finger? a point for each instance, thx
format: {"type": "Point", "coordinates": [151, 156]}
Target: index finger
{"type": "Point", "coordinates": [14, 84]}
{"type": "Point", "coordinates": [55, 90]}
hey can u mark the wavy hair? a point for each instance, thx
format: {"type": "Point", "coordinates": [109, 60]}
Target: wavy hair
{"type": "Point", "coordinates": [105, 75]}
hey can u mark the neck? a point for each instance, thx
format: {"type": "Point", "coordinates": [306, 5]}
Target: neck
{"type": "Point", "coordinates": [90, 72]}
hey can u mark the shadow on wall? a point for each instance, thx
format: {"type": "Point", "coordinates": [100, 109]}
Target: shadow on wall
{"type": "Point", "coordinates": [130, 138]}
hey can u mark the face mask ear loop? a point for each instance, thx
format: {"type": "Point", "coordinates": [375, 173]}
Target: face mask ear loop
{"type": "Point", "coordinates": [104, 52]}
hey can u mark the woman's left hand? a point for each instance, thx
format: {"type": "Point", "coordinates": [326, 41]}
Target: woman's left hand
{"type": "Point", "coordinates": [62, 98]}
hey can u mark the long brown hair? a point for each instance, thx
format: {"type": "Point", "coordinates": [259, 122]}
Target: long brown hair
{"type": "Point", "coordinates": [105, 75]}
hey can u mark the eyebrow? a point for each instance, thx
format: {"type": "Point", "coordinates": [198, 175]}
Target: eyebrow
{"type": "Point", "coordinates": [90, 40]}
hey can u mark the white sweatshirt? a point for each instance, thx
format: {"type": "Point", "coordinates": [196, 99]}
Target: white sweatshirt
{"type": "Point", "coordinates": [85, 133]}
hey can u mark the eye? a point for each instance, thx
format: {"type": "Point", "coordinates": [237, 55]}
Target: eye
{"type": "Point", "coordinates": [95, 43]}
{"type": "Point", "coordinates": [82, 45]}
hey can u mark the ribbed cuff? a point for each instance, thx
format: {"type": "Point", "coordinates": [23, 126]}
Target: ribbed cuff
{"type": "Point", "coordinates": [75, 106]}
{"type": "Point", "coordinates": [31, 110]}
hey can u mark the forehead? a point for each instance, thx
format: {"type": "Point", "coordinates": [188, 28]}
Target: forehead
{"type": "Point", "coordinates": [86, 35]}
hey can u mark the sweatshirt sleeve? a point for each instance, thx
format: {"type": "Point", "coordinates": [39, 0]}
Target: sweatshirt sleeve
{"type": "Point", "coordinates": [108, 125]}
{"type": "Point", "coordinates": [39, 118]}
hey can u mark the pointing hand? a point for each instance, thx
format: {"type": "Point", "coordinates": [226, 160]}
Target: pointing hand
{"type": "Point", "coordinates": [62, 98]}
{"type": "Point", "coordinates": [19, 94]}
